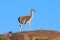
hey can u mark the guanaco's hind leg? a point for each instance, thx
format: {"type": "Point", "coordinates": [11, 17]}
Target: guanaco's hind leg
{"type": "Point", "coordinates": [20, 27]}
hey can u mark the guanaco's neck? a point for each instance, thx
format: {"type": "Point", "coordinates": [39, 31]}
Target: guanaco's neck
{"type": "Point", "coordinates": [31, 13]}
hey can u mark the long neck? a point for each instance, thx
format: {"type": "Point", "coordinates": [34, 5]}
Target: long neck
{"type": "Point", "coordinates": [31, 13]}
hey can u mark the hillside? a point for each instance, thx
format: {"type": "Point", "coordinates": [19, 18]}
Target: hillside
{"type": "Point", "coordinates": [32, 35]}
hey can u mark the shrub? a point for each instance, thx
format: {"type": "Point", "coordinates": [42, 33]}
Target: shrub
{"type": "Point", "coordinates": [36, 38]}
{"type": "Point", "coordinates": [2, 38]}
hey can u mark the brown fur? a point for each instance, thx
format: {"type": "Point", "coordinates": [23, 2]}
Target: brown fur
{"type": "Point", "coordinates": [25, 19]}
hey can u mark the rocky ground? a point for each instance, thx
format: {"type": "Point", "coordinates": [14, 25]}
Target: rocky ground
{"type": "Point", "coordinates": [32, 35]}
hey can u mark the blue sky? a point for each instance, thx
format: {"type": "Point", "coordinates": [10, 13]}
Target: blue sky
{"type": "Point", "coordinates": [46, 17]}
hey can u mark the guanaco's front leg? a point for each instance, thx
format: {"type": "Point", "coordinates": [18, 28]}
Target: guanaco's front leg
{"type": "Point", "coordinates": [29, 26]}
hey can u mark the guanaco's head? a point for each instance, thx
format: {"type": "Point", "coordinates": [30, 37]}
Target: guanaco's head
{"type": "Point", "coordinates": [32, 10]}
